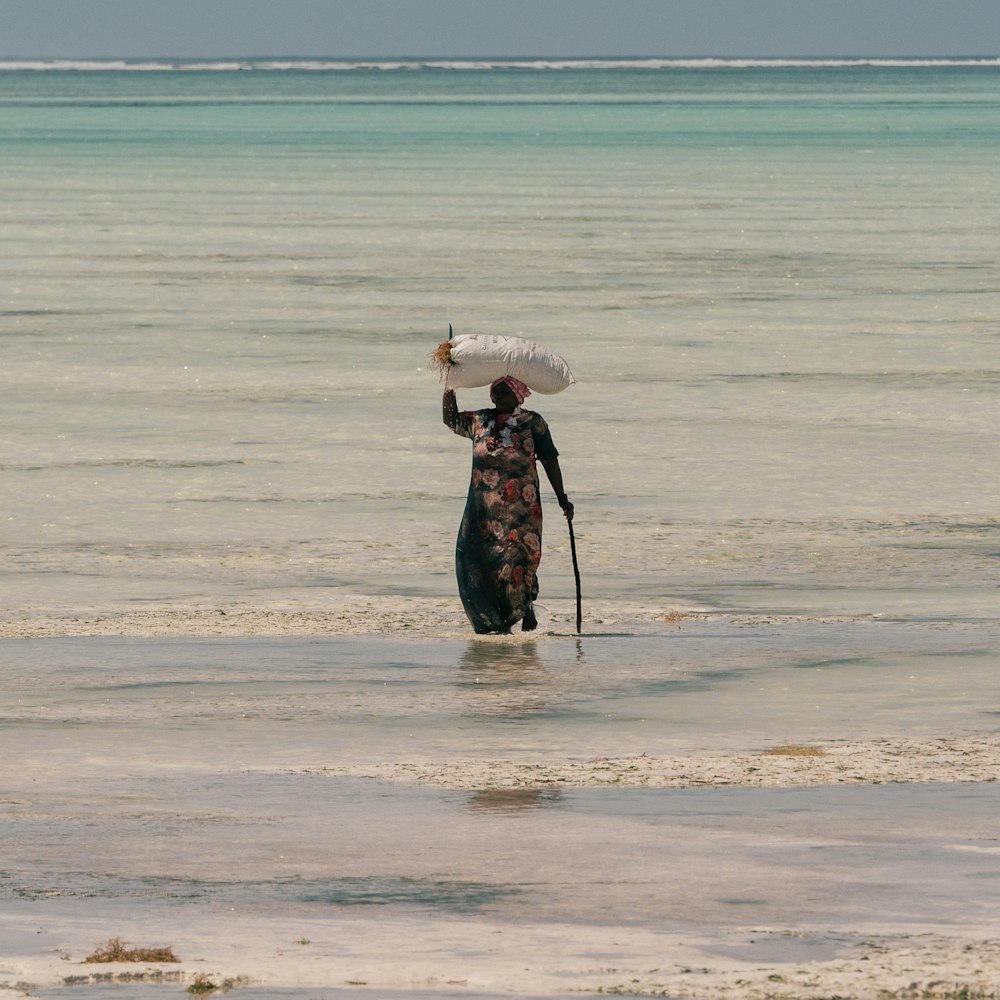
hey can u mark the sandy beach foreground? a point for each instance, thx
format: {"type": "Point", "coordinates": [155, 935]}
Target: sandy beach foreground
{"type": "Point", "coordinates": [923, 966]}
{"type": "Point", "coordinates": [402, 811]}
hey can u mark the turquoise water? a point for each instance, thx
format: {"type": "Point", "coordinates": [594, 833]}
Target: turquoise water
{"type": "Point", "coordinates": [775, 284]}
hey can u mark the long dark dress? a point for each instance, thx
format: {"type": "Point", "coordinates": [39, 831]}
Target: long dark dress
{"type": "Point", "coordinates": [500, 538]}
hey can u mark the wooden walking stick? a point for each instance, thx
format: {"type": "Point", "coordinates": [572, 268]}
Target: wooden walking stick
{"type": "Point", "coordinates": [576, 573]}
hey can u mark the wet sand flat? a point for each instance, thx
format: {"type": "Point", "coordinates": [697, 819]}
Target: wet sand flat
{"type": "Point", "coordinates": [716, 807]}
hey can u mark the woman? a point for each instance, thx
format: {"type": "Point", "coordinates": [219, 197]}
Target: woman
{"type": "Point", "coordinates": [500, 540]}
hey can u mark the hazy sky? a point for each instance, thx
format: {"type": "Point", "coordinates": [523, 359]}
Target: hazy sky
{"type": "Point", "coordinates": [353, 28]}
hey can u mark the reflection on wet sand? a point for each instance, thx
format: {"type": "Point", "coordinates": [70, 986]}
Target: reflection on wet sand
{"type": "Point", "coordinates": [507, 681]}
{"type": "Point", "coordinates": [506, 659]}
{"type": "Point", "coordinates": [513, 800]}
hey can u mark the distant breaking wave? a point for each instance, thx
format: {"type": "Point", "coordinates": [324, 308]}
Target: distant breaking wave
{"type": "Point", "coordinates": [347, 65]}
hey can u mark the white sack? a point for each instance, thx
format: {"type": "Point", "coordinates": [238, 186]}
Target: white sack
{"type": "Point", "coordinates": [479, 359]}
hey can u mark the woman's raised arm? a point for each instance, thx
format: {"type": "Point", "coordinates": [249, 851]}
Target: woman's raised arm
{"type": "Point", "coordinates": [449, 408]}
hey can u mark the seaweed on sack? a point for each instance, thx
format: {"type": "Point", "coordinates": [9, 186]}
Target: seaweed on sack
{"type": "Point", "coordinates": [441, 359]}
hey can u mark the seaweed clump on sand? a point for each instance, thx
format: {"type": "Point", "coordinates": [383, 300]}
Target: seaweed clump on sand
{"type": "Point", "coordinates": [117, 950]}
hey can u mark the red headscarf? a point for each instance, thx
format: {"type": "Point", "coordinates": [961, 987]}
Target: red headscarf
{"type": "Point", "coordinates": [520, 390]}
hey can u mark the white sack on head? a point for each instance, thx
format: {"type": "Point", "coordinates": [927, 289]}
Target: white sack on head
{"type": "Point", "coordinates": [478, 359]}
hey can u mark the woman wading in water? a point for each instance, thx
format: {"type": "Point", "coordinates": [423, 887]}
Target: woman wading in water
{"type": "Point", "coordinates": [500, 539]}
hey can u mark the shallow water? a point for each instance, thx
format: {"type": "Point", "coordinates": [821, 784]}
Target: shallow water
{"type": "Point", "coordinates": [287, 870]}
{"type": "Point", "coordinates": [337, 848]}
{"type": "Point", "coordinates": [176, 791]}
{"type": "Point", "coordinates": [313, 702]}
{"type": "Point", "coordinates": [774, 285]}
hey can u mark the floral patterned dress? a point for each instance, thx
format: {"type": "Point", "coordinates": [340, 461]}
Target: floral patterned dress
{"type": "Point", "coordinates": [500, 538]}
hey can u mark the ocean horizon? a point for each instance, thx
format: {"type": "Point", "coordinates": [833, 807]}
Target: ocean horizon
{"type": "Point", "coordinates": [596, 62]}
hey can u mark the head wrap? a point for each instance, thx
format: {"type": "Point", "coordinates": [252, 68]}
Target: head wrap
{"type": "Point", "coordinates": [520, 390]}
